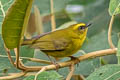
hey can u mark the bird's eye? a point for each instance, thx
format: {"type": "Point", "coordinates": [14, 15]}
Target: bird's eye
{"type": "Point", "coordinates": [81, 27]}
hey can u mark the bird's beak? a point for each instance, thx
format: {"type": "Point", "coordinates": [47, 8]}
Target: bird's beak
{"type": "Point", "coordinates": [89, 24]}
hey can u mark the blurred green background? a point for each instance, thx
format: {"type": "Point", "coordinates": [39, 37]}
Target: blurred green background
{"type": "Point", "coordinates": [70, 11]}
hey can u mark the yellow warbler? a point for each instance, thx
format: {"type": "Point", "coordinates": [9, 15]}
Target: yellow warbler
{"type": "Point", "coordinates": [60, 43]}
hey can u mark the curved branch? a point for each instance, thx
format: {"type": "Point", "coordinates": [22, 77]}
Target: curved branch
{"type": "Point", "coordinates": [81, 58]}
{"type": "Point", "coordinates": [109, 33]}
{"type": "Point", "coordinates": [9, 55]}
{"type": "Point", "coordinates": [29, 58]}
{"type": "Point", "coordinates": [72, 68]}
{"type": "Point", "coordinates": [13, 76]}
{"type": "Point", "coordinates": [62, 64]}
{"type": "Point", "coordinates": [42, 70]}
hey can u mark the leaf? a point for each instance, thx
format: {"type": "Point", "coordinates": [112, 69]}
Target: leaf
{"type": "Point", "coordinates": [5, 4]}
{"type": "Point", "coordinates": [118, 52]}
{"type": "Point", "coordinates": [26, 52]}
{"type": "Point", "coordinates": [15, 22]}
{"type": "Point", "coordinates": [50, 75]}
{"type": "Point", "coordinates": [94, 42]}
{"type": "Point", "coordinates": [6, 67]}
{"type": "Point", "coordinates": [107, 72]}
{"type": "Point", "coordinates": [114, 7]}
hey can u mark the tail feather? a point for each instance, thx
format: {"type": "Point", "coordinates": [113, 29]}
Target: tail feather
{"type": "Point", "coordinates": [27, 42]}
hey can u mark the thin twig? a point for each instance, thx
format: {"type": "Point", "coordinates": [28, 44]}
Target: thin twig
{"type": "Point", "coordinates": [13, 76]}
{"type": "Point", "coordinates": [1, 6]}
{"type": "Point", "coordinates": [71, 72]}
{"type": "Point", "coordinates": [9, 56]}
{"type": "Point", "coordinates": [53, 23]}
{"type": "Point", "coordinates": [27, 74]}
{"type": "Point", "coordinates": [109, 33]}
{"type": "Point", "coordinates": [30, 59]}
{"type": "Point", "coordinates": [16, 50]}
{"type": "Point", "coordinates": [42, 70]}
{"type": "Point", "coordinates": [19, 63]}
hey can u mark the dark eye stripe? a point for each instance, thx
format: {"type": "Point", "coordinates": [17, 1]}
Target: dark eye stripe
{"type": "Point", "coordinates": [81, 27]}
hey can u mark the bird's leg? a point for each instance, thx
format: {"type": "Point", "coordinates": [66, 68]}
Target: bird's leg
{"type": "Point", "coordinates": [54, 62]}
{"type": "Point", "coordinates": [74, 58]}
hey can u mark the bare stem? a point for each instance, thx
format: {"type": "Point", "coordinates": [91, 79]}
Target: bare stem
{"type": "Point", "coordinates": [71, 72]}
{"type": "Point", "coordinates": [109, 33]}
{"type": "Point", "coordinates": [16, 50]}
{"type": "Point", "coordinates": [9, 56]}
{"type": "Point", "coordinates": [1, 6]}
{"type": "Point", "coordinates": [19, 63]}
{"type": "Point", "coordinates": [13, 76]}
{"type": "Point", "coordinates": [53, 23]}
{"type": "Point", "coordinates": [30, 59]}
{"type": "Point", "coordinates": [42, 70]}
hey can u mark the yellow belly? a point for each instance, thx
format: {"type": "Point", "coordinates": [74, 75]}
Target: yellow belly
{"type": "Point", "coordinates": [70, 50]}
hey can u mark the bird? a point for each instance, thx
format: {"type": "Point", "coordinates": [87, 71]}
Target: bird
{"type": "Point", "coordinates": [60, 43]}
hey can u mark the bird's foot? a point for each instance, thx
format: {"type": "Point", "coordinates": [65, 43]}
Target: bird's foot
{"type": "Point", "coordinates": [75, 58]}
{"type": "Point", "coordinates": [56, 65]}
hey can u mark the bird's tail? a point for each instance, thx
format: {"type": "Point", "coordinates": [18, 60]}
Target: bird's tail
{"type": "Point", "coordinates": [27, 42]}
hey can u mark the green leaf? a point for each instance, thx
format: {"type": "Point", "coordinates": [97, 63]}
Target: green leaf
{"type": "Point", "coordinates": [5, 4]}
{"type": "Point", "coordinates": [26, 52]}
{"type": "Point", "coordinates": [107, 72]}
{"type": "Point", "coordinates": [114, 7]}
{"type": "Point", "coordinates": [118, 52]}
{"type": "Point", "coordinates": [50, 75]}
{"type": "Point", "coordinates": [6, 67]}
{"type": "Point", "coordinates": [14, 24]}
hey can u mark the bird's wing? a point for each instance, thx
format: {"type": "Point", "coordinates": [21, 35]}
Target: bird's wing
{"type": "Point", "coordinates": [48, 44]}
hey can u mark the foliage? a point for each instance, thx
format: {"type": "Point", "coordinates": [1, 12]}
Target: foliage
{"type": "Point", "coordinates": [50, 75]}
{"type": "Point", "coordinates": [14, 24]}
{"type": "Point", "coordinates": [68, 12]}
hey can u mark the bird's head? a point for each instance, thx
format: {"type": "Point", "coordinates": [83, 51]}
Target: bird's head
{"type": "Point", "coordinates": [80, 29]}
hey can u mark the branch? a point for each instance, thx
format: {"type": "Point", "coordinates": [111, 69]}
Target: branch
{"type": "Point", "coordinates": [81, 58]}
{"type": "Point", "coordinates": [19, 64]}
{"type": "Point", "coordinates": [62, 64]}
{"type": "Point", "coordinates": [72, 68]}
{"type": "Point", "coordinates": [9, 56]}
{"type": "Point", "coordinates": [109, 33]}
{"type": "Point", "coordinates": [1, 6]}
{"type": "Point", "coordinates": [16, 50]}
{"type": "Point", "coordinates": [37, 60]}
{"type": "Point", "coordinates": [42, 70]}
{"type": "Point", "coordinates": [13, 76]}
{"type": "Point", "coordinates": [30, 59]}
{"type": "Point", "coordinates": [84, 57]}
{"type": "Point", "coordinates": [53, 23]}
